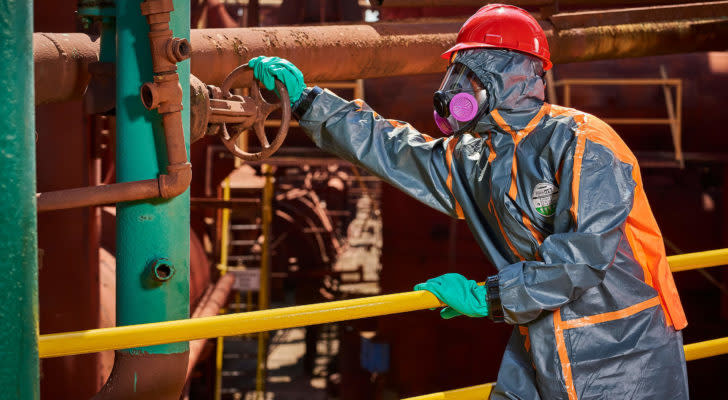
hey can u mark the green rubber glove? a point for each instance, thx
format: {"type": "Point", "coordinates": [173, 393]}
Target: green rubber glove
{"type": "Point", "coordinates": [267, 69]}
{"type": "Point", "coordinates": [462, 296]}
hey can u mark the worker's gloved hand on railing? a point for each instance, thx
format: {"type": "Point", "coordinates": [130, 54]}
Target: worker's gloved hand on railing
{"type": "Point", "coordinates": [462, 296]}
{"type": "Point", "coordinates": [267, 69]}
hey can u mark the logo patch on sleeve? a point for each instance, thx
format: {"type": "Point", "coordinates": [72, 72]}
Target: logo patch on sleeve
{"type": "Point", "coordinates": [544, 198]}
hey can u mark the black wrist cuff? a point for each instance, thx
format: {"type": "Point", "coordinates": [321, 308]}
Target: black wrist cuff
{"type": "Point", "coordinates": [495, 309]}
{"type": "Point", "coordinates": [304, 102]}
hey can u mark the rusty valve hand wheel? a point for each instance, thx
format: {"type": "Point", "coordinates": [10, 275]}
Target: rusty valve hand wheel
{"type": "Point", "coordinates": [263, 109]}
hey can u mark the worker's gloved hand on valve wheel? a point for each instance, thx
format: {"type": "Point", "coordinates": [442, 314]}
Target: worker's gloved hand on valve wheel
{"type": "Point", "coordinates": [462, 296]}
{"type": "Point", "coordinates": [267, 69]}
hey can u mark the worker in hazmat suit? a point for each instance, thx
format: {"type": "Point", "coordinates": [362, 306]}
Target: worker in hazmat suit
{"type": "Point", "coordinates": [555, 200]}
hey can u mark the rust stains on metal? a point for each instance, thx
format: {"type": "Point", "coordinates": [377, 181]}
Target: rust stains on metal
{"type": "Point", "coordinates": [344, 52]}
{"type": "Point", "coordinates": [145, 376]}
{"type": "Point", "coordinates": [348, 51]}
{"type": "Point", "coordinates": [212, 301]}
{"type": "Point", "coordinates": [519, 3]}
{"type": "Point", "coordinates": [61, 65]}
{"type": "Point", "coordinates": [637, 15]}
{"type": "Point", "coordinates": [163, 94]}
{"type": "Point", "coordinates": [637, 40]}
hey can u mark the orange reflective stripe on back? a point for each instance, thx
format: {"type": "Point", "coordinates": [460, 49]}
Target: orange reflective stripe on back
{"type": "Point", "coordinates": [643, 234]}
{"type": "Point", "coordinates": [448, 182]}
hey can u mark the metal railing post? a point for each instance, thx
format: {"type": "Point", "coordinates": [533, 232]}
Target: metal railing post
{"type": "Point", "coordinates": [18, 232]}
{"type": "Point", "coordinates": [265, 270]}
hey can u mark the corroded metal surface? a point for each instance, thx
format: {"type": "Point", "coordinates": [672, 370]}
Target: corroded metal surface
{"type": "Point", "coordinates": [211, 303]}
{"type": "Point", "coordinates": [377, 50]}
{"type": "Point", "coordinates": [636, 15]}
{"type": "Point", "coordinates": [145, 376]}
{"type": "Point", "coordinates": [163, 94]}
{"type": "Point", "coordinates": [346, 51]}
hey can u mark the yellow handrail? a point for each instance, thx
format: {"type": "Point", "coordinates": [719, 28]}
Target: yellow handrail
{"type": "Point", "coordinates": [123, 337]}
{"type": "Point", "coordinates": [708, 348]}
{"type": "Point", "coordinates": [90, 341]}
{"type": "Point", "coordinates": [477, 392]}
{"type": "Point", "coordinates": [703, 259]}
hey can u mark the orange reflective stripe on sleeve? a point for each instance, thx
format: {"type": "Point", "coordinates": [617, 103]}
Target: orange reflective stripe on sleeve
{"type": "Point", "coordinates": [427, 138]}
{"type": "Point", "coordinates": [563, 356]}
{"type": "Point", "coordinates": [523, 330]}
{"type": "Point", "coordinates": [396, 123]}
{"type": "Point", "coordinates": [360, 103]}
{"type": "Point", "coordinates": [448, 158]}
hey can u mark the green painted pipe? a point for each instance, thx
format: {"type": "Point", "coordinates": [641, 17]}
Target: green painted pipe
{"type": "Point", "coordinates": [18, 225]}
{"type": "Point", "coordinates": [155, 232]}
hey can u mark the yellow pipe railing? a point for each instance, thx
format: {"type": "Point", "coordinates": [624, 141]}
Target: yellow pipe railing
{"type": "Point", "coordinates": [703, 259]}
{"type": "Point", "coordinates": [223, 267]}
{"type": "Point", "coordinates": [90, 341]}
{"type": "Point", "coordinates": [123, 337]}
{"type": "Point", "coordinates": [708, 348]}
{"type": "Point", "coordinates": [477, 392]}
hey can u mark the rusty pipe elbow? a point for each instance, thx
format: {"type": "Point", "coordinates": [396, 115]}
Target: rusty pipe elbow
{"type": "Point", "coordinates": [176, 181]}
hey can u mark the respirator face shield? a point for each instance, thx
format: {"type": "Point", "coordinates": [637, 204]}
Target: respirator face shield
{"type": "Point", "coordinates": [459, 100]}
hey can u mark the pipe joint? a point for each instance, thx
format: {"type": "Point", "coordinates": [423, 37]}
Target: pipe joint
{"type": "Point", "coordinates": [151, 7]}
{"type": "Point", "coordinates": [176, 181]}
{"type": "Point", "coordinates": [178, 49]}
{"type": "Point", "coordinates": [164, 94]}
{"type": "Point", "coordinates": [160, 41]}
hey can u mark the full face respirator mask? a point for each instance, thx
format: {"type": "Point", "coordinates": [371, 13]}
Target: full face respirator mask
{"type": "Point", "coordinates": [460, 99]}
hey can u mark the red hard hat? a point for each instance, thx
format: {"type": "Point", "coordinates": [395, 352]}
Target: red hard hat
{"type": "Point", "coordinates": [506, 27]}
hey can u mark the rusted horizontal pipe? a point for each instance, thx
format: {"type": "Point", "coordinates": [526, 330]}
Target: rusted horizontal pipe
{"type": "Point", "coordinates": [520, 3]}
{"type": "Point", "coordinates": [174, 183]}
{"type": "Point", "coordinates": [207, 202]}
{"type": "Point", "coordinates": [346, 52]}
{"type": "Point", "coordinates": [61, 65]}
{"type": "Point", "coordinates": [636, 15]}
{"type": "Point", "coordinates": [97, 195]}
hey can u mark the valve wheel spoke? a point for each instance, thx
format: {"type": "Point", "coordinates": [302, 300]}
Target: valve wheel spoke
{"type": "Point", "coordinates": [264, 109]}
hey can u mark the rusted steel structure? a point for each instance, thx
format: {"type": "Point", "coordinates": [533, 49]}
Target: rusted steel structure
{"type": "Point", "coordinates": [520, 3]}
{"type": "Point", "coordinates": [164, 94]}
{"type": "Point", "coordinates": [212, 301]}
{"type": "Point", "coordinates": [390, 49]}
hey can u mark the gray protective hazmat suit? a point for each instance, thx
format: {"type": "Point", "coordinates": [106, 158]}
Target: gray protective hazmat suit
{"type": "Point", "coordinates": [555, 200]}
